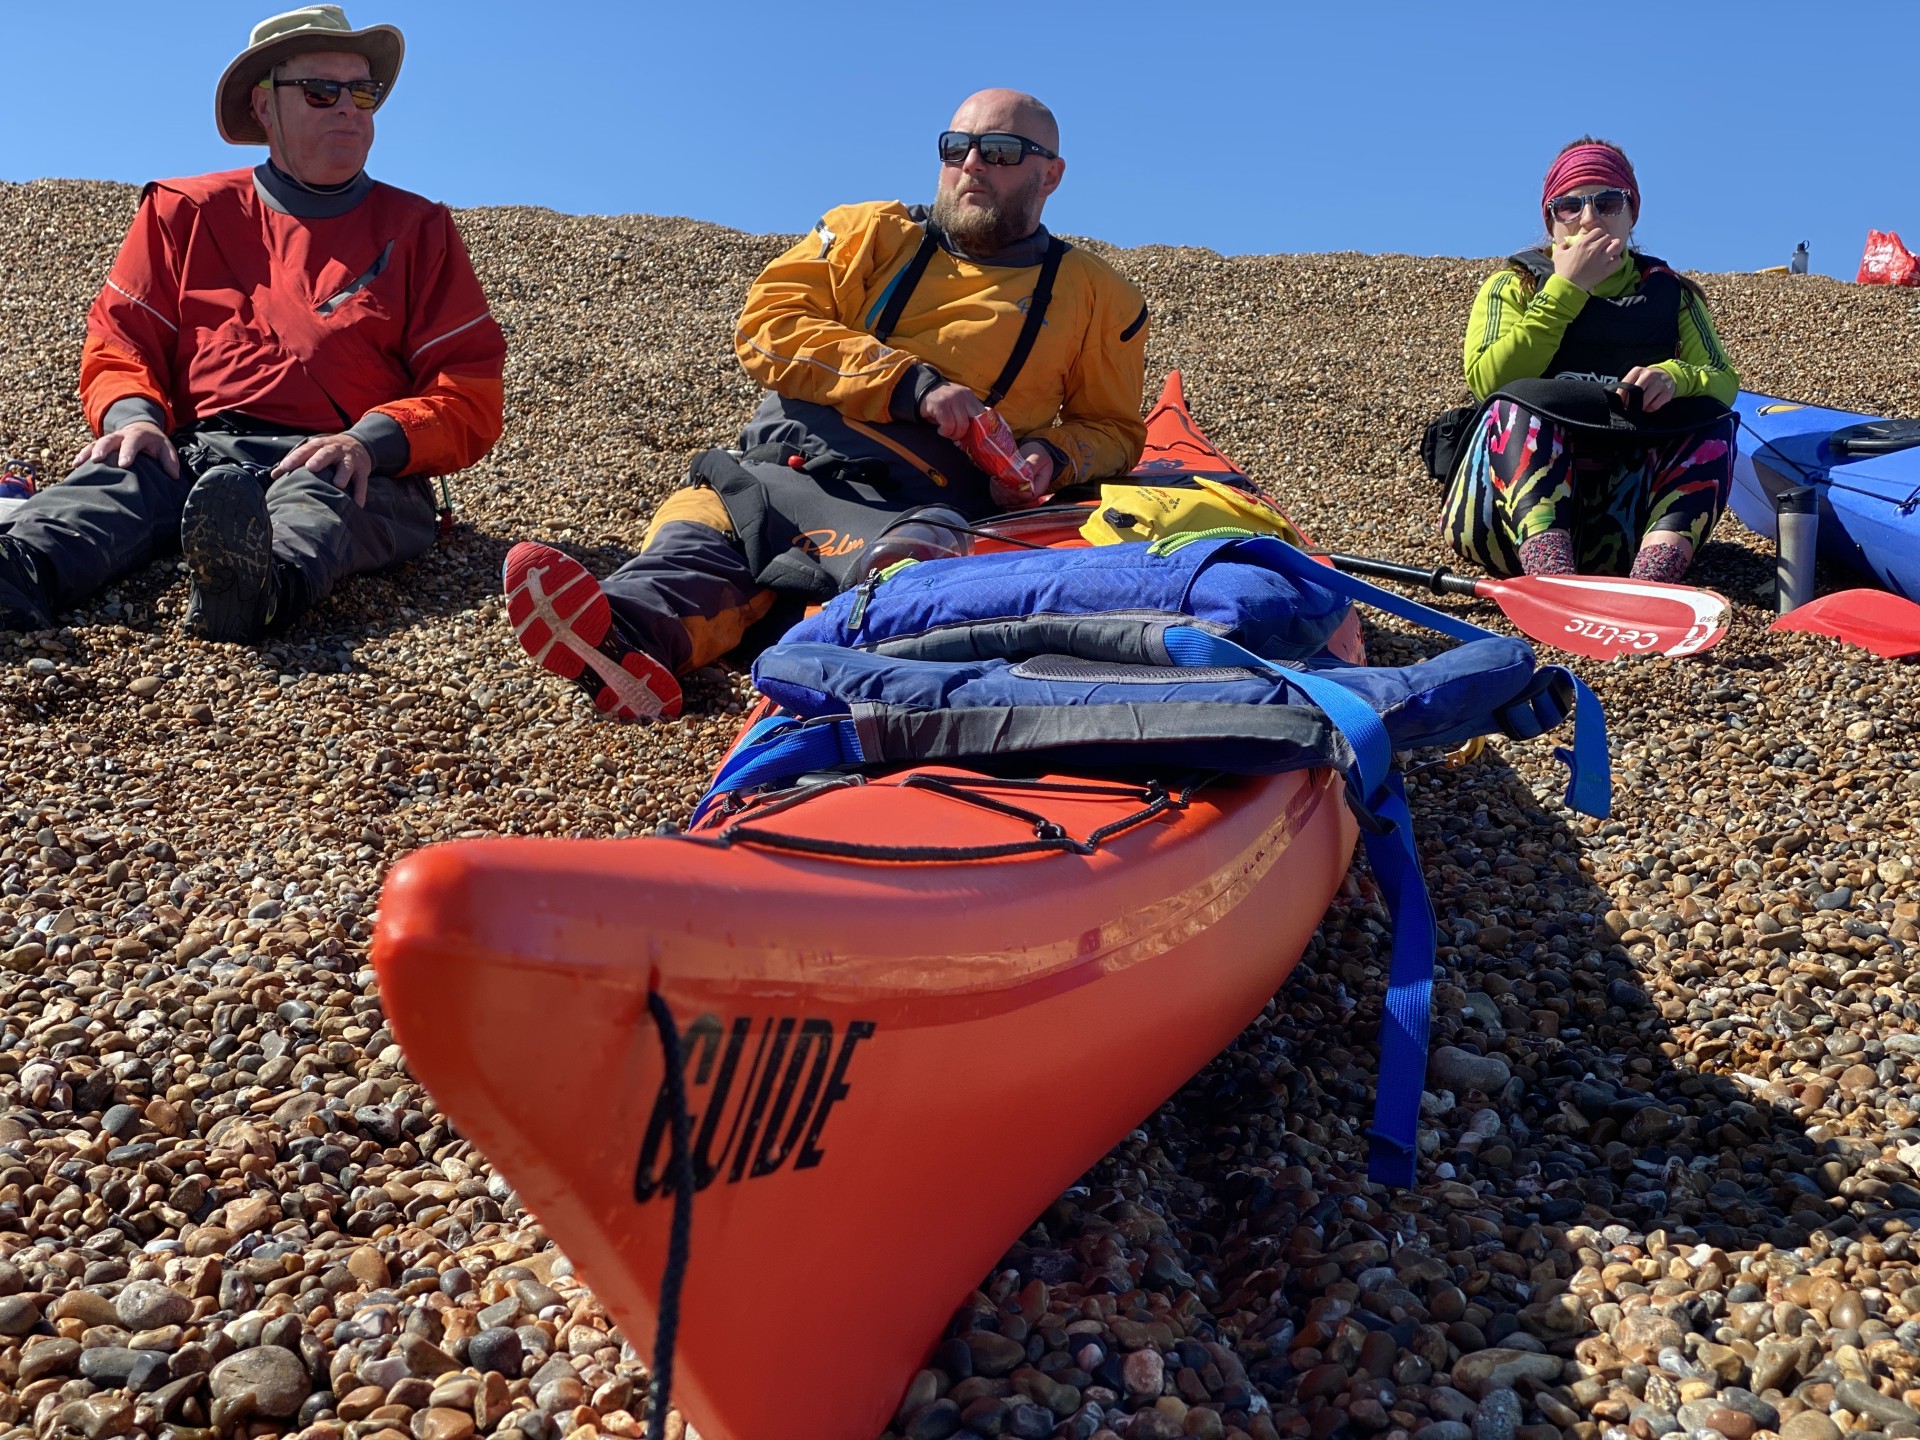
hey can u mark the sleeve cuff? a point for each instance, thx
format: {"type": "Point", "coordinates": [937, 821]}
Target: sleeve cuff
{"type": "Point", "coordinates": [1688, 380]}
{"type": "Point", "coordinates": [1062, 471]}
{"type": "Point", "coordinates": [911, 389]}
{"type": "Point", "coordinates": [386, 442]}
{"type": "Point", "coordinates": [1563, 296]}
{"type": "Point", "coordinates": [129, 408]}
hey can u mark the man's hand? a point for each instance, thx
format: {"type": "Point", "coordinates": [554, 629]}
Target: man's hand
{"type": "Point", "coordinates": [1656, 385]}
{"type": "Point", "coordinates": [948, 407]}
{"type": "Point", "coordinates": [1587, 258]}
{"type": "Point", "coordinates": [343, 454]}
{"type": "Point", "coordinates": [119, 447]}
{"type": "Point", "coordinates": [1039, 463]}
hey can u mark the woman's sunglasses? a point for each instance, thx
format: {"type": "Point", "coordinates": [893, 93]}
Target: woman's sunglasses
{"type": "Point", "coordinates": [325, 94]}
{"type": "Point", "coordinates": [997, 147]}
{"type": "Point", "coordinates": [1606, 204]}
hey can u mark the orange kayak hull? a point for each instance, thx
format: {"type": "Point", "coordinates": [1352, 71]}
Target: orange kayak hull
{"type": "Point", "coordinates": [923, 1057]}
{"type": "Point", "coordinates": [891, 1068]}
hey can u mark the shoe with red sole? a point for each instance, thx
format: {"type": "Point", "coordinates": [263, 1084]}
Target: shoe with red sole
{"type": "Point", "coordinates": [560, 615]}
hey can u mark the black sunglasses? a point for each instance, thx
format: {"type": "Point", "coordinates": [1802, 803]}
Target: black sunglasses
{"type": "Point", "coordinates": [997, 147]}
{"type": "Point", "coordinates": [1606, 204]}
{"type": "Point", "coordinates": [325, 94]}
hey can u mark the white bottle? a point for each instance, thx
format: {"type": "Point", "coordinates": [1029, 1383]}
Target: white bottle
{"type": "Point", "coordinates": [1798, 265]}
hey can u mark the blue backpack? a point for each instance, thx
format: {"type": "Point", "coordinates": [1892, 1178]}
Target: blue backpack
{"type": "Point", "coordinates": [1195, 653]}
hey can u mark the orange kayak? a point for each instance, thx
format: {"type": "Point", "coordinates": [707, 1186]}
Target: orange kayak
{"type": "Point", "coordinates": [889, 1068]}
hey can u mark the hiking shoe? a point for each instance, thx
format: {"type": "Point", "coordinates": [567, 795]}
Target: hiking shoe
{"type": "Point", "coordinates": [228, 542]}
{"type": "Point", "coordinates": [22, 602]}
{"type": "Point", "coordinates": [561, 617]}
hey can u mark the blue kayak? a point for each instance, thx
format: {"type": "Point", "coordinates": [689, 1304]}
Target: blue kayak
{"type": "Point", "coordinates": [1864, 469]}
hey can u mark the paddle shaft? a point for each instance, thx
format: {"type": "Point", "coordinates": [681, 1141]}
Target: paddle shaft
{"type": "Point", "coordinates": [1440, 580]}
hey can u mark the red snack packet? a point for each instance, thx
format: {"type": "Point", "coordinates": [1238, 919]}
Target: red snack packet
{"type": "Point", "coordinates": [989, 443]}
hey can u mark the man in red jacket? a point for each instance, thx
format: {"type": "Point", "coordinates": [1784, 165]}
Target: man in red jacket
{"type": "Point", "coordinates": [280, 359]}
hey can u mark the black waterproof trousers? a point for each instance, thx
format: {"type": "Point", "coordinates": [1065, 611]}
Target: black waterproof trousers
{"type": "Point", "coordinates": [782, 522]}
{"type": "Point", "coordinates": [72, 539]}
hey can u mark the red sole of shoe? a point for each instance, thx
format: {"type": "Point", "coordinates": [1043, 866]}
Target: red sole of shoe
{"type": "Point", "coordinates": [652, 678]}
{"type": "Point", "coordinates": [561, 618]}
{"type": "Point", "coordinates": [549, 593]}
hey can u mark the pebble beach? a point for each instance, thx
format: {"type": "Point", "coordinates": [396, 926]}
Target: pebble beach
{"type": "Point", "coordinates": [1672, 1121]}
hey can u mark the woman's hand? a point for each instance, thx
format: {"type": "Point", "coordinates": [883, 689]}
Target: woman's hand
{"type": "Point", "coordinates": [1656, 385]}
{"type": "Point", "coordinates": [1587, 258]}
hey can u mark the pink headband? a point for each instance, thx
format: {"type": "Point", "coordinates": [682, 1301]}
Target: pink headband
{"type": "Point", "coordinates": [1590, 165]}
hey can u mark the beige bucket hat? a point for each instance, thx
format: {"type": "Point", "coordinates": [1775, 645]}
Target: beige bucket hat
{"type": "Point", "coordinates": [298, 32]}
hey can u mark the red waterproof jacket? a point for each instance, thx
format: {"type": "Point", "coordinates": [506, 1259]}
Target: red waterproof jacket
{"type": "Point", "coordinates": [220, 301]}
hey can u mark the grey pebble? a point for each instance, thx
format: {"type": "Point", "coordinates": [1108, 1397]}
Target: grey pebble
{"type": "Point", "coordinates": [18, 1314]}
{"type": "Point", "coordinates": [1864, 1399]}
{"type": "Point", "coordinates": [1460, 1070]}
{"type": "Point", "coordinates": [497, 1349]}
{"type": "Point", "coordinates": [1498, 1415]}
{"type": "Point", "coordinates": [275, 1378]}
{"type": "Point", "coordinates": [149, 1305]}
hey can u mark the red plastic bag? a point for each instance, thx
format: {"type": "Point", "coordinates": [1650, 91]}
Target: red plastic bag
{"type": "Point", "coordinates": [1887, 261]}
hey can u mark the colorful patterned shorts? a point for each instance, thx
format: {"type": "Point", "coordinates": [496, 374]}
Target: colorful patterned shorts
{"type": "Point", "coordinates": [1522, 474]}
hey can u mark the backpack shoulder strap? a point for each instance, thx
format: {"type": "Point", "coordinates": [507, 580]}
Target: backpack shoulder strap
{"type": "Point", "coordinates": [1536, 265]}
{"type": "Point", "coordinates": [901, 289]}
{"type": "Point", "coordinates": [1651, 265]}
{"type": "Point", "coordinates": [1589, 775]}
{"type": "Point", "coordinates": [1036, 317]}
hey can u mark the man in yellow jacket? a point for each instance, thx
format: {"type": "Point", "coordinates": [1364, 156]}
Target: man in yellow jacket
{"type": "Point", "coordinates": [878, 338]}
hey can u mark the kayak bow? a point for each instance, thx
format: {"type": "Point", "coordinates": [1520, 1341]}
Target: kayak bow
{"type": "Point", "coordinates": [890, 1067]}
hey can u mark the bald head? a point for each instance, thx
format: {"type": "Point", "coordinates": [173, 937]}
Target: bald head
{"type": "Point", "coordinates": [985, 207]}
{"type": "Point", "coordinates": [1013, 110]}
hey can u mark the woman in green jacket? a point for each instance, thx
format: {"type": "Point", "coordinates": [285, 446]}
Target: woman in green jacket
{"type": "Point", "coordinates": [1534, 494]}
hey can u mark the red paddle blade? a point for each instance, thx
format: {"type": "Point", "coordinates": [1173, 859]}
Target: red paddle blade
{"type": "Point", "coordinates": [1601, 617]}
{"type": "Point", "coordinates": [1885, 624]}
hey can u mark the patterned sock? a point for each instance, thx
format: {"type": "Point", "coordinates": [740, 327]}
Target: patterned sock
{"type": "Point", "coordinates": [1548, 553]}
{"type": "Point", "coordinates": [1661, 561]}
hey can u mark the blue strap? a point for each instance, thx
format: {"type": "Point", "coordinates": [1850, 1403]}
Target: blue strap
{"type": "Point", "coordinates": [1366, 732]}
{"type": "Point", "coordinates": [761, 729]}
{"type": "Point", "coordinates": [1589, 771]}
{"type": "Point", "coordinates": [1393, 1138]}
{"type": "Point", "coordinates": [779, 749]}
{"type": "Point", "coordinates": [1405, 1023]}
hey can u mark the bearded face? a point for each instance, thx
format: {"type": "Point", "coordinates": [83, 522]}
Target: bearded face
{"type": "Point", "coordinates": [985, 208]}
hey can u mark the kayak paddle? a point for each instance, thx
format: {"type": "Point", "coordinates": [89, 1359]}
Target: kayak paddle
{"type": "Point", "coordinates": [1885, 624]}
{"type": "Point", "coordinates": [1593, 615]}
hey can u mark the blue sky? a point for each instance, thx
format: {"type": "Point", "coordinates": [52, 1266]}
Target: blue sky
{"type": "Point", "coordinates": [1386, 126]}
